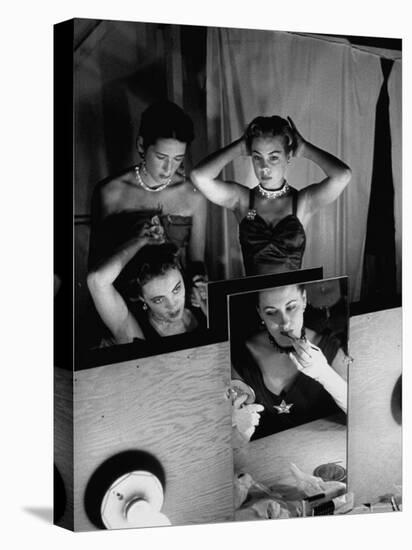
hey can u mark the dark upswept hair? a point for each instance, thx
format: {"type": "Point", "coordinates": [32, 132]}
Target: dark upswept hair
{"type": "Point", "coordinates": [153, 260]}
{"type": "Point", "coordinates": [165, 119]}
{"type": "Point", "coordinates": [276, 126]}
{"type": "Point", "coordinates": [300, 286]}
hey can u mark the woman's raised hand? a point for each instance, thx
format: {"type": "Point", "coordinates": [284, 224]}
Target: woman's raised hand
{"type": "Point", "coordinates": [243, 149]}
{"type": "Point", "coordinates": [152, 232]}
{"type": "Point", "coordinates": [298, 142]}
{"type": "Point", "coordinates": [198, 297]}
{"type": "Point", "coordinates": [309, 359]}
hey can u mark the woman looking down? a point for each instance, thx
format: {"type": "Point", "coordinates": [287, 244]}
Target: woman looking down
{"type": "Point", "coordinates": [297, 375]}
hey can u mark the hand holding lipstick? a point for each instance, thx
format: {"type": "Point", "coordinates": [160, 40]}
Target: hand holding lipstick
{"type": "Point", "coordinates": [310, 360]}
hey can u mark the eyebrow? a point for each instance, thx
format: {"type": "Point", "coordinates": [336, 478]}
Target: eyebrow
{"type": "Point", "coordinates": [181, 155]}
{"type": "Point", "coordinates": [270, 152]}
{"type": "Point", "coordinates": [287, 304]}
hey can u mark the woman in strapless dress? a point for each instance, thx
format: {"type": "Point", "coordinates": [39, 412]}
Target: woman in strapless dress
{"type": "Point", "coordinates": [155, 188]}
{"type": "Point", "coordinates": [272, 216]}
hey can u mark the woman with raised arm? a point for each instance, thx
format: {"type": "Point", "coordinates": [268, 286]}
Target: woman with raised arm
{"type": "Point", "coordinates": [155, 187]}
{"type": "Point", "coordinates": [151, 303]}
{"type": "Point", "coordinates": [273, 215]}
{"type": "Point", "coordinates": [296, 374]}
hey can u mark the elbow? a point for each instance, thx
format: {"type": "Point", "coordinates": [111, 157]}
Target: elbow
{"type": "Point", "coordinates": [91, 280]}
{"type": "Point", "coordinates": [346, 176]}
{"type": "Point", "coordinates": [194, 177]}
{"type": "Point", "coordinates": [197, 178]}
{"type": "Point", "coordinates": [95, 281]}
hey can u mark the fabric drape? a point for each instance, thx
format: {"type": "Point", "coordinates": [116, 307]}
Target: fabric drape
{"type": "Point", "coordinates": [330, 91]}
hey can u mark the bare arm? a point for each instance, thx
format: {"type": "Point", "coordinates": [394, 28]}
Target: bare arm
{"type": "Point", "coordinates": [338, 174]}
{"type": "Point", "coordinates": [198, 232]}
{"type": "Point", "coordinates": [109, 303]}
{"type": "Point", "coordinates": [310, 360]}
{"type": "Point", "coordinates": [205, 177]}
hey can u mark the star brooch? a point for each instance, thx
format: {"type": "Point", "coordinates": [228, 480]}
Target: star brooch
{"type": "Point", "coordinates": [283, 408]}
{"type": "Point", "coordinates": [251, 214]}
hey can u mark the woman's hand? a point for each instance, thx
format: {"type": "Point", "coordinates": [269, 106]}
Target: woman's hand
{"type": "Point", "coordinates": [245, 418]}
{"type": "Point", "coordinates": [309, 359]}
{"type": "Point", "coordinates": [298, 142]}
{"type": "Point", "coordinates": [198, 296]}
{"type": "Point", "coordinates": [152, 232]}
{"type": "Point", "coordinates": [243, 149]}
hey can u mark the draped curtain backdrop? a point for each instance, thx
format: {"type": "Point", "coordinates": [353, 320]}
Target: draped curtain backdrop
{"type": "Point", "coordinates": [330, 90]}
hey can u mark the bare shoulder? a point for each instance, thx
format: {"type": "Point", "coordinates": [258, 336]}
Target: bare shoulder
{"type": "Point", "coordinates": [111, 190]}
{"type": "Point", "coordinates": [189, 195]}
{"type": "Point", "coordinates": [257, 342]}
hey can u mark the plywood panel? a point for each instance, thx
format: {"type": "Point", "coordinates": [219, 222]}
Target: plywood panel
{"type": "Point", "coordinates": [174, 406]}
{"type": "Point", "coordinates": [63, 438]}
{"type": "Point", "coordinates": [375, 437]}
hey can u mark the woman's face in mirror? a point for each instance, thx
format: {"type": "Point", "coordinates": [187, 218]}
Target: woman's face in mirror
{"type": "Point", "coordinates": [163, 158]}
{"type": "Point", "coordinates": [165, 295]}
{"type": "Point", "coordinates": [269, 160]}
{"type": "Point", "coordinates": [281, 309]}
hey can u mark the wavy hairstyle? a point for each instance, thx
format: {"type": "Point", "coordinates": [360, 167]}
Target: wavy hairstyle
{"type": "Point", "coordinates": [165, 119]}
{"type": "Point", "coordinates": [150, 262]}
{"type": "Point", "coordinates": [272, 126]}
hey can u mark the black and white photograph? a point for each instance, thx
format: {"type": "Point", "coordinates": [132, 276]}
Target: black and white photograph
{"type": "Point", "coordinates": [289, 374]}
{"type": "Point", "coordinates": [267, 163]}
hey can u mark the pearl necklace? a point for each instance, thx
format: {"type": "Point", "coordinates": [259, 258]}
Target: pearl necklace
{"type": "Point", "coordinates": [147, 187]}
{"type": "Point", "coordinates": [274, 194]}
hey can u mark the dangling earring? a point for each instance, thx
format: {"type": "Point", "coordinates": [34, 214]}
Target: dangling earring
{"type": "Point", "coordinates": [144, 169]}
{"type": "Point", "coordinates": [144, 306]}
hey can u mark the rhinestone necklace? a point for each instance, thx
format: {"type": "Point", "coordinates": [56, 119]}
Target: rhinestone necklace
{"type": "Point", "coordinates": [280, 349]}
{"type": "Point", "coordinates": [274, 194]}
{"type": "Point", "coordinates": [145, 186]}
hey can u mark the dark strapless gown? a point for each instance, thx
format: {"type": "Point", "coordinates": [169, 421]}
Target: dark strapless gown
{"type": "Point", "coordinates": [271, 248]}
{"type": "Point", "coordinates": [118, 228]}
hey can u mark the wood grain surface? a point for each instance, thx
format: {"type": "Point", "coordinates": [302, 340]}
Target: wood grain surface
{"type": "Point", "coordinates": [63, 438]}
{"type": "Point", "coordinates": [375, 437]}
{"type": "Point", "coordinates": [175, 407]}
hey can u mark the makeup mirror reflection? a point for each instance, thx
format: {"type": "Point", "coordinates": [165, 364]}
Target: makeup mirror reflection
{"type": "Point", "coordinates": [289, 346]}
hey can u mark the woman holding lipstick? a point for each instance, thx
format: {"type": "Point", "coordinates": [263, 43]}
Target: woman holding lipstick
{"type": "Point", "coordinates": [272, 216]}
{"type": "Point", "coordinates": [297, 375]}
{"type": "Point", "coordinates": [139, 292]}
